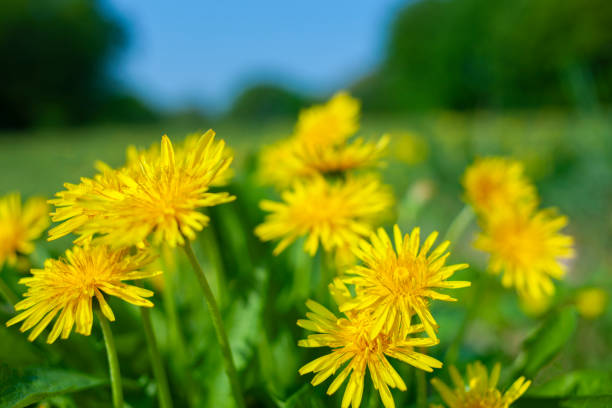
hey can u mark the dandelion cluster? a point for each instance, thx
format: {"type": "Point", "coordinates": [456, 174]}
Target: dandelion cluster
{"type": "Point", "coordinates": [480, 389]}
{"type": "Point", "coordinates": [524, 243]}
{"type": "Point", "coordinates": [374, 319]}
{"type": "Point", "coordinates": [320, 145]}
{"type": "Point", "coordinates": [322, 198]}
{"type": "Point", "coordinates": [155, 195]}
{"type": "Point", "coordinates": [158, 195]}
{"type": "Point", "coordinates": [392, 287]}
{"type": "Point", "coordinates": [356, 350]}
{"type": "Point", "coordinates": [20, 225]}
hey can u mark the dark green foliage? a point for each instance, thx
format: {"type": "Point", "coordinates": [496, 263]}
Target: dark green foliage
{"type": "Point", "coordinates": [54, 67]}
{"type": "Point", "coordinates": [267, 101]}
{"type": "Point", "coordinates": [467, 54]}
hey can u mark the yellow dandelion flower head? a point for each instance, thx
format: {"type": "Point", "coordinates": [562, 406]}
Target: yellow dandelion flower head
{"type": "Point", "coordinates": [354, 352]}
{"type": "Point", "coordinates": [592, 302]}
{"type": "Point", "coordinates": [20, 224]}
{"type": "Point", "coordinates": [160, 198]}
{"type": "Point", "coordinates": [280, 164]}
{"type": "Point", "coordinates": [497, 182]}
{"type": "Point", "coordinates": [395, 284]}
{"type": "Point", "coordinates": [290, 160]}
{"type": "Point", "coordinates": [135, 155]}
{"type": "Point", "coordinates": [480, 391]}
{"type": "Point", "coordinates": [68, 286]}
{"type": "Point", "coordinates": [528, 248]}
{"type": "Point", "coordinates": [329, 124]}
{"type": "Point", "coordinates": [344, 157]}
{"type": "Point", "coordinates": [335, 214]}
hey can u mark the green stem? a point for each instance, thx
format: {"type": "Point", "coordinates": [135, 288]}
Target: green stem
{"type": "Point", "coordinates": [113, 361]}
{"type": "Point", "coordinates": [215, 315]}
{"type": "Point", "coordinates": [7, 293]}
{"type": "Point", "coordinates": [459, 224]}
{"type": "Point", "coordinates": [165, 400]}
{"type": "Point", "coordinates": [421, 383]}
{"type": "Point", "coordinates": [326, 276]}
{"type": "Point", "coordinates": [213, 253]}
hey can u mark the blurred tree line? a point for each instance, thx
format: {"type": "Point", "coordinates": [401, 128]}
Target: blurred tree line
{"type": "Point", "coordinates": [450, 54]}
{"type": "Point", "coordinates": [486, 54]}
{"type": "Point", "coordinates": [470, 54]}
{"type": "Point", "coordinates": [55, 59]}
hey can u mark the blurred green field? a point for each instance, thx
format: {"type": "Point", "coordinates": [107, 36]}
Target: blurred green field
{"type": "Point", "coordinates": [569, 158]}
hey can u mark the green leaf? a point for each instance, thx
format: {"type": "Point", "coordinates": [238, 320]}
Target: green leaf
{"type": "Point", "coordinates": [576, 383]}
{"type": "Point", "coordinates": [20, 388]}
{"type": "Point", "coordinates": [546, 341]}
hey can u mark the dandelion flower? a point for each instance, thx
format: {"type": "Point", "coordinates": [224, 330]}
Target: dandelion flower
{"type": "Point", "coordinates": [289, 160]}
{"type": "Point", "coordinates": [334, 214]}
{"type": "Point", "coordinates": [495, 182]}
{"type": "Point", "coordinates": [321, 145]}
{"type": "Point", "coordinates": [135, 155]}
{"type": "Point", "coordinates": [67, 287]}
{"type": "Point", "coordinates": [528, 248]}
{"type": "Point", "coordinates": [20, 225]}
{"type": "Point", "coordinates": [352, 155]}
{"type": "Point", "coordinates": [354, 351]}
{"type": "Point", "coordinates": [480, 389]}
{"type": "Point", "coordinates": [158, 198]}
{"type": "Point", "coordinates": [281, 166]}
{"type": "Point", "coordinates": [329, 124]}
{"type": "Point", "coordinates": [395, 284]}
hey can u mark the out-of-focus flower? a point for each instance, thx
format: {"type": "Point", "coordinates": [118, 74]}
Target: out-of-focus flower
{"type": "Point", "coordinates": [495, 182]}
{"type": "Point", "coordinates": [280, 165]}
{"type": "Point", "coordinates": [334, 214]}
{"type": "Point", "coordinates": [67, 287]}
{"type": "Point", "coordinates": [395, 284]}
{"type": "Point", "coordinates": [536, 306]}
{"type": "Point", "coordinates": [480, 390]}
{"type": "Point", "coordinates": [329, 124]}
{"type": "Point", "coordinates": [354, 351]}
{"type": "Point", "coordinates": [321, 145]}
{"type": "Point", "coordinates": [528, 248]}
{"type": "Point", "coordinates": [20, 224]}
{"type": "Point", "coordinates": [159, 198]}
{"type": "Point", "coordinates": [410, 147]}
{"type": "Point", "coordinates": [591, 302]}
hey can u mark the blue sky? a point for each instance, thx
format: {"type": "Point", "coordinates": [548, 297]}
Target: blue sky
{"type": "Point", "coordinates": [204, 52]}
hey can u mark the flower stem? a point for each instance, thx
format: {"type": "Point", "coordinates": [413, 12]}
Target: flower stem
{"type": "Point", "coordinates": [327, 274]}
{"type": "Point", "coordinates": [230, 368]}
{"type": "Point", "coordinates": [7, 293]}
{"type": "Point", "coordinates": [163, 393]}
{"type": "Point", "coordinates": [459, 224]}
{"type": "Point", "coordinates": [113, 361]}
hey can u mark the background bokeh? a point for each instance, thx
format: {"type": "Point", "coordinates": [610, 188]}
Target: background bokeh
{"type": "Point", "coordinates": [449, 80]}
